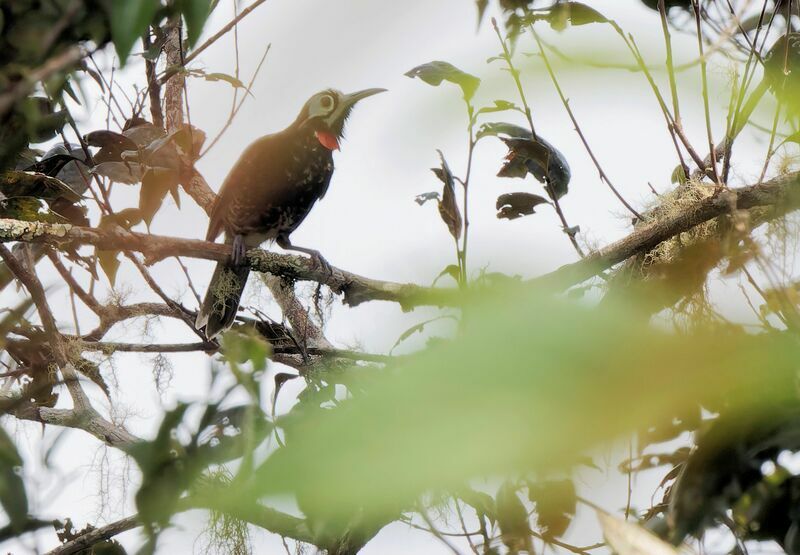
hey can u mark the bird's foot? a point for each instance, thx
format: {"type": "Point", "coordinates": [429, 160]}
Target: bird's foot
{"type": "Point", "coordinates": [319, 263]}
{"type": "Point", "coordinates": [239, 254]}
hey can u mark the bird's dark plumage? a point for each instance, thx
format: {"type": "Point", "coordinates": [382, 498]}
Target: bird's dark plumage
{"type": "Point", "coordinates": [269, 192]}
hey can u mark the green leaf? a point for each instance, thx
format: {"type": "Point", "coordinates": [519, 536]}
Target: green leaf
{"type": "Point", "coordinates": [195, 13]}
{"type": "Point", "coordinates": [561, 15]}
{"type": "Point", "coordinates": [434, 73]}
{"type": "Point", "coordinates": [12, 488]}
{"type": "Point", "coordinates": [129, 21]}
{"type": "Point", "coordinates": [236, 83]}
{"type": "Point", "coordinates": [500, 106]}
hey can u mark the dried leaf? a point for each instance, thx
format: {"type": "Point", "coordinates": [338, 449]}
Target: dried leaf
{"type": "Point", "coordinates": [626, 538]}
{"type": "Point", "coordinates": [448, 207]}
{"type": "Point", "coordinates": [434, 73]}
{"type": "Point", "coordinates": [516, 205]}
{"type": "Point", "coordinates": [156, 184]}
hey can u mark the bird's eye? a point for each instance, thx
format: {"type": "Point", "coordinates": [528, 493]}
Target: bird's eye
{"type": "Point", "coordinates": [326, 101]}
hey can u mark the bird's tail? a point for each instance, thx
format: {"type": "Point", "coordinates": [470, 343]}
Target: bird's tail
{"type": "Point", "coordinates": [219, 308]}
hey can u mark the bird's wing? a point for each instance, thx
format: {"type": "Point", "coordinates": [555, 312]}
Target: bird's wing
{"type": "Point", "coordinates": [246, 169]}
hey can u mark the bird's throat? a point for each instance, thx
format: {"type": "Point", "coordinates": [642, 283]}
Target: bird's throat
{"type": "Point", "coordinates": [327, 139]}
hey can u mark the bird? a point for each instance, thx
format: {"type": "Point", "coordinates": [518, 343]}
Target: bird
{"type": "Point", "coordinates": [269, 192]}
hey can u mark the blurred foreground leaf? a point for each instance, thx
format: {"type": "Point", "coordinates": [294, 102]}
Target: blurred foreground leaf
{"type": "Point", "coordinates": [527, 386]}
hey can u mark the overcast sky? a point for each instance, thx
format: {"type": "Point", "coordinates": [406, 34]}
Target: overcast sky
{"type": "Point", "coordinates": [368, 223]}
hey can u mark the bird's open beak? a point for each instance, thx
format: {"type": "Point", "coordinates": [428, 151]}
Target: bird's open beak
{"type": "Point", "coordinates": [350, 99]}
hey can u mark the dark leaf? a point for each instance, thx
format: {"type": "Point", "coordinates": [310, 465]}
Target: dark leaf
{"type": "Point", "coordinates": [448, 207]}
{"type": "Point", "coordinates": [104, 138]}
{"type": "Point", "coordinates": [12, 489]}
{"type": "Point", "coordinates": [516, 205]}
{"type": "Point", "coordinates": [556, 502]}
{"type": "Point", "coordinates": [539, 158]}
{"type": "Point", "coordinates": [482, 502]}
{"type": "Point", "coordinates": [513, 519]}
{"type": "Point", "coordinates": [494, 129]}
{"type": "Point", "coordinates": [434, 73]}
{"type": "Point", "coordinates": [482, 5]}
{"type": "Point", "coordinates": [16, 184]}
{"type": "Point", "coordinates": [425, 197]}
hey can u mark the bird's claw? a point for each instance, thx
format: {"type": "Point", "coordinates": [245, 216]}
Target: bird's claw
{"type": "Point", "coordinates": [239, 253]}
{"type": "Point", "coordinates": [319, 263]}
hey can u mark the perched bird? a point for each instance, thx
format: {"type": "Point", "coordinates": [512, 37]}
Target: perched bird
{"type": "Point", "coordinates": [268, 194]}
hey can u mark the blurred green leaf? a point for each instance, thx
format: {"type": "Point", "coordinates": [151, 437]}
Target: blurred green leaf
{"type": "Point", "coordinates": [517, 391]}
{"type": "Point", "coordinates": [129, 21]}
{"type": "Point", "coordinates": [195, 13]}
{"type": "Point", "coordinates": [12, 489]}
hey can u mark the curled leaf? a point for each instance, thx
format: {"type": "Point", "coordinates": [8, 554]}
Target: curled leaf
{"type": "Point", "coordinates": [448, 207]}
{"type": "Point", "coordinates": [516, 205]}
{"type": "Point", "coordinates": [530, 155]}
{"type": "Point", "coordinates": [433, 73]}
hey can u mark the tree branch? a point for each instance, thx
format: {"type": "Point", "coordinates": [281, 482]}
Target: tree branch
{"type": "Point", "coordinates": [782, 193]}
{"type": "Point", "coordinates": [356, 289]}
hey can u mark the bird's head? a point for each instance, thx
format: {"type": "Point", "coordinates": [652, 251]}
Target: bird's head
{"type": "Point", "coordinates": [326, 113]}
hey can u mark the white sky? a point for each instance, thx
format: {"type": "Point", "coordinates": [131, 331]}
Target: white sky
{"type": "Point", "coordinates": [368, 222]}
